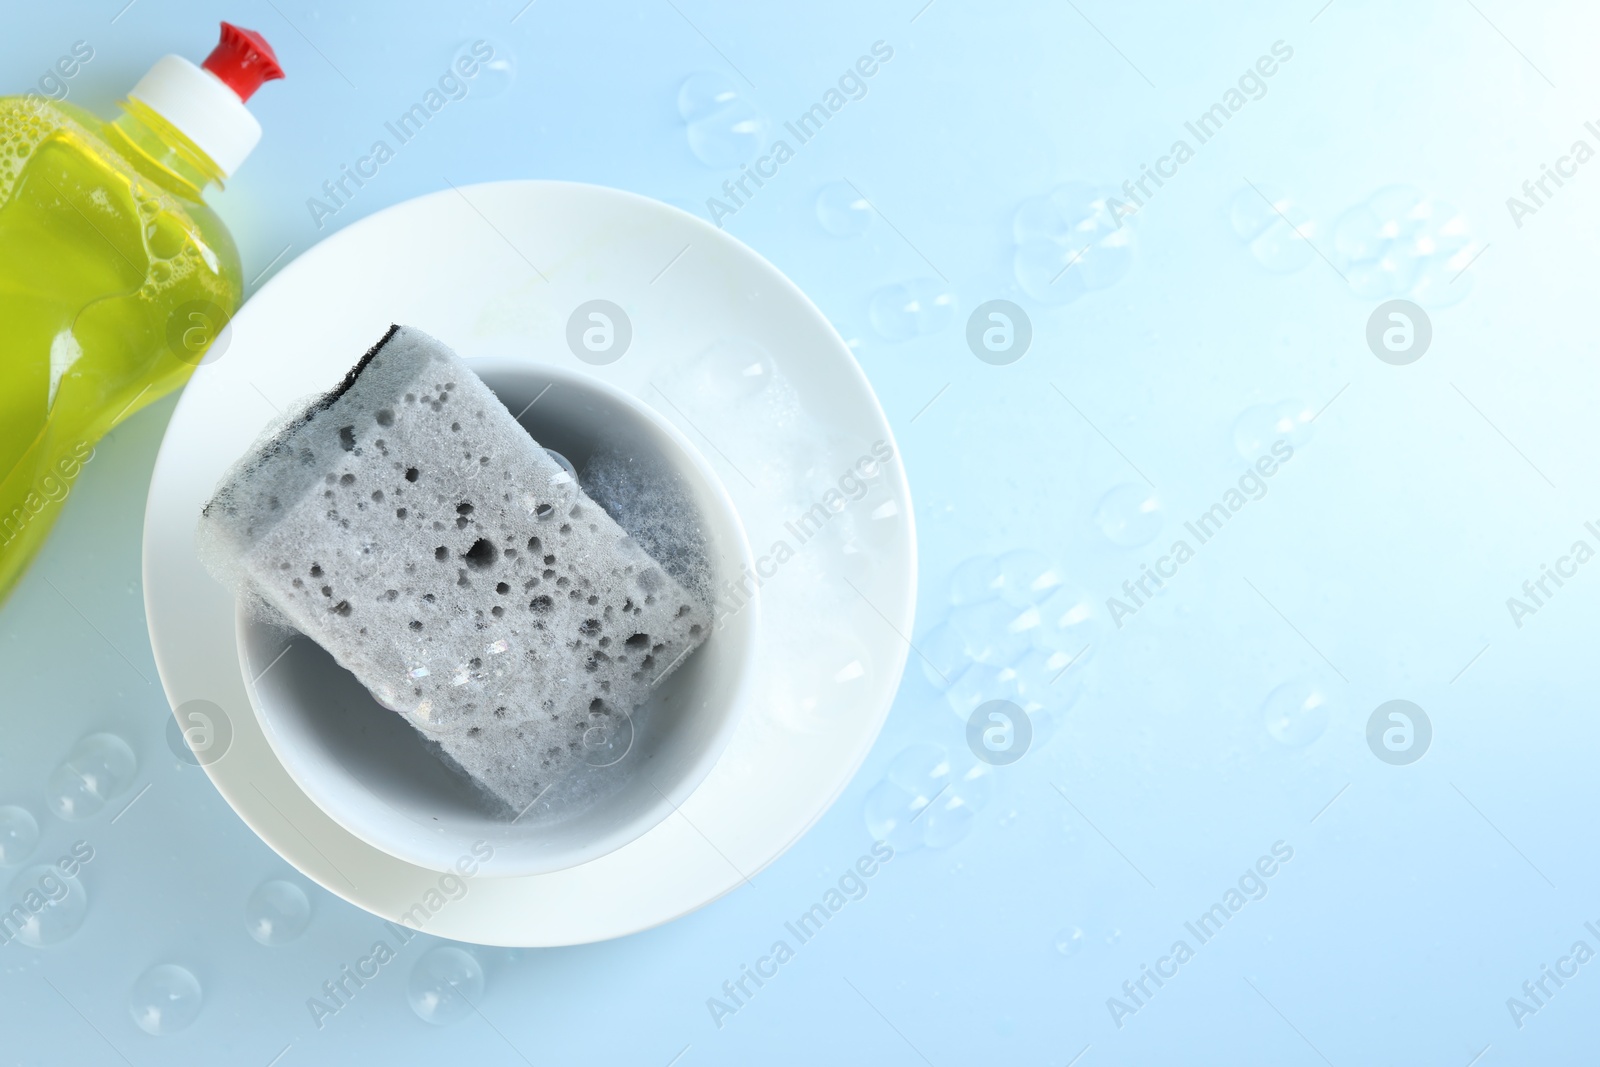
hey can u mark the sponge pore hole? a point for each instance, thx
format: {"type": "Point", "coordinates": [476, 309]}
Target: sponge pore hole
{"type": "Point", "coordinates": [482, 554]}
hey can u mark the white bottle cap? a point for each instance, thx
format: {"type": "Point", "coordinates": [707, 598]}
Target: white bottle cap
{"type": "Point", "coordinates": [203, 108]}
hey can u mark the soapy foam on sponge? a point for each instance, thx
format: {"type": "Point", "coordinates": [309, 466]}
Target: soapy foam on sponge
{"type": "Point", "coordinates": [408, 524]}
{"type": "Point", "coordinates": [650, 500]}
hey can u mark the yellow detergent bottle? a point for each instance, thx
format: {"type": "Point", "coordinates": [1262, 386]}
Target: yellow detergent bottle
{"type": "Point", "coordinates": [115, 276]}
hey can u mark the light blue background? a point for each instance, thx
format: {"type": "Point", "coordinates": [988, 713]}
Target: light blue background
{"type": "Point", "coordinates": [1408, 914]}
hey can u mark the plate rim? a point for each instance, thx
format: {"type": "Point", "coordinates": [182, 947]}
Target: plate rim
{"type": "Point", "coordinates": [454, 923]}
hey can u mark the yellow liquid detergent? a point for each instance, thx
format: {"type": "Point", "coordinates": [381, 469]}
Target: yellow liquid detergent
{"type": "Point", "coordinates": [115, 277]}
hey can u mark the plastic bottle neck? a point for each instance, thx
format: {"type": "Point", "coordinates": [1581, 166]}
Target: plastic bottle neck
{"type": "Point", "coordinates": [161, 152]}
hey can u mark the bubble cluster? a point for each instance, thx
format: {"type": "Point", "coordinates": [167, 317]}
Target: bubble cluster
{"type": "Point", "coordinates": [1399, 242]}
{"type": "Point", "coordinates": [99, 768]}
{"type": "Point", "coordinates": [1403, 242]}
{"type": "Point", "coordinates": [23, 125]}
{"type": "Point", "coordinates": [922, 801]}
{"type": "Point", "coordinates": [1277, 231]}
{"type": "Point", "coordinates": [1014, 631]}
{"type": "Point", "coordinates": [165, 999]}
{"type": "Point", "coordinates": [725, 128]}
{"type": "Point", "coordinates": [445, 985]}
{"type": "Point", "coordinates": [277, 912]}
{"type": "Point", "coordinates": [910, 309]}
{"type": "Point", "coordinates": [1069, 242]}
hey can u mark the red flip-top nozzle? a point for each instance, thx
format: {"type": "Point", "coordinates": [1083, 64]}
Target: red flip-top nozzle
{"type": "Point", "coordinates": [243, 60]}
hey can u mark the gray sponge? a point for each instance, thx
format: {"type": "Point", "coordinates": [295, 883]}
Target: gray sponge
{"type": "Point", "coordinates": [409, 525]}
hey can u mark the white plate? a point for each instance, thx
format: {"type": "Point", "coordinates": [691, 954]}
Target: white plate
{"type": "Point", "coordinates": [497, 270]}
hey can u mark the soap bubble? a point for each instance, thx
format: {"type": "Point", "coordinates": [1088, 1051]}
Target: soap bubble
{"type": "Point", "coordinates": [1067, 626]}
{"type": "Point", "coordinates": [842, 211]}
{"type": "Point", "coordinates": [889, 810]}
{"type": "Point", "coordinates": [1129, 515]}
{"type": "Point", "coordinates": [840, 671]}
{"type": "Point", "coordinates": [1069, 941]}
{"type": "Point", "coordinates": [99, 767]}
{"type": "Point", "coordinates": [19, 835]}
{"type": "Point", "coordinates": [1046, 682]}
{"type": "Point", "coordinates": [165, 999]}
{"type": "Point", "coordinates": [277, 912]}
{"type": "Point", "coordinates": [975, 580]}
{"type": "Point", "coordinates": [563, 462]}
{"type": "Point", "coordinates": [166, 235]}
{"type": "Point", "coordinates": [725, 128]}
{"type": "Point", "coordinates": [704, 94]}
{"type": "Point", "coordinates": [1026, 577]}
{"type": "Point", "coordinates": [54, 905]}
{"type": "Point", "coordinates": [869, 525]}
{"type": "Point", "coordinates": [943, 655]}
{"type": "Point", "coordinates": [1389, 275]}
{"type": "Point", "coordinates": [949, 819]}
{"type": "Point", "coordinates": [1043, 269]}
{"type": "Point", "coordinates": [860, 548]}
{"type": "Point", "coordinates": [973, 787]}
{"type": "Point", "coordinates": [919, 802]}
{"type": "Point", "coordinates": [1259, 427]}
{"type": "Point", "coordinates": [564, 485]}
{"type": "Point", "coordinates": [1441, 282]}
{"type": "Point", "coordinates": [445, 985]}
{"type": "Point", "coordinates": [994, 631]}
{"type": "Point", "coordinates": [916, 308]}
{"type": "Point", "coordinates": [494, 74]}
{"type": "Point", "coordinates": [1358, 235]}
{"type": "Point", "coordinates": [1296, 713]}
{"type": "Point", "coordinates": [924, 768]}
{"type": "Point", "coordinates": [731, 371]}
{"type": "Point", "coordinates": [979, 683]}
{"type": "Point", "coordinates": [608, 740]}
{"type": "Point", "coordinates": [1268, 225]}
{"type": "Point", "coordinates": [954, 807]}
{"type": "Point", "coordinates": [841, 666]}
{"type": "Point", "coordinates": [1285, 246]}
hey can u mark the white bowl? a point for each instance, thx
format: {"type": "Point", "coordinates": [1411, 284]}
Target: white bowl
{"type": "Point", "coordinates": [372, 772]}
